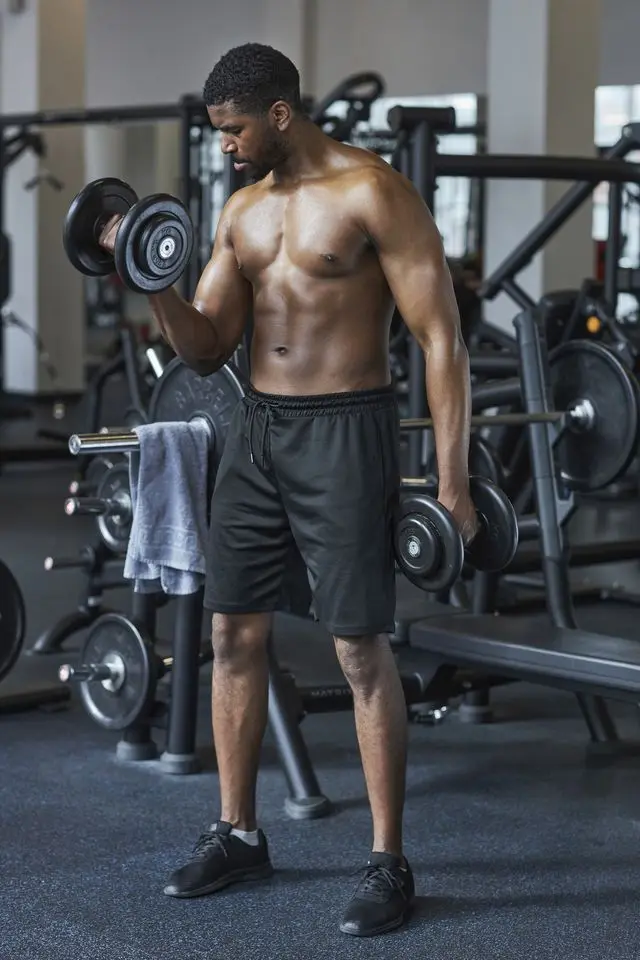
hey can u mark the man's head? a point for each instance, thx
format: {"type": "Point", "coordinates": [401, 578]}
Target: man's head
{"type": "Point", "coordinates": [252, 95]}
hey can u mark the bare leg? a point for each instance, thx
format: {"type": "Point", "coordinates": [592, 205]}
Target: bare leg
{"type": "Point", "coordinates": [381, 725]}
{"type": "Point", "coordinates": [239, 710]}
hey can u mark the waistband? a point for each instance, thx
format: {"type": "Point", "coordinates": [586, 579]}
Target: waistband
{"type": "Point", "coordinates": [318, 404]}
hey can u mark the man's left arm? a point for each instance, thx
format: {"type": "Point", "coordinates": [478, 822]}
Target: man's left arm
{"type": "Point", "coordinates": [412, 257]}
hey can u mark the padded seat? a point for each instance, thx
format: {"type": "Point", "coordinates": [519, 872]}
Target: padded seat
{"type": "Point", "coordinates": [535, 651]}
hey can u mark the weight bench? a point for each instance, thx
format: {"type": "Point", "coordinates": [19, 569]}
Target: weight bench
{"type": "Point", "coordinates": [588, 664]}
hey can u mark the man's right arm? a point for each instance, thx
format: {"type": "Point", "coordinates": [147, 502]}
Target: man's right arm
{"type": "Point", "coordinates": [205, 334]}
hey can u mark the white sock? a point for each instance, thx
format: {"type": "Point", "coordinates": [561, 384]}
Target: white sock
{"type": "Point", "coordinates": [248, 836]}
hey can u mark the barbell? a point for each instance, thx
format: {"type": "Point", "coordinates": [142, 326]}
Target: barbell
{"type": "Point", "coordinates": [597, 410]}
{"type": "Point", "coordinates": [154, 242]}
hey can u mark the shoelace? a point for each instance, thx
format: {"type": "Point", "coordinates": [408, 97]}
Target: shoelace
{"type": "Point", "coordinates": [207, 842]}
{"type": "Point", "coordinates": [379, 881]}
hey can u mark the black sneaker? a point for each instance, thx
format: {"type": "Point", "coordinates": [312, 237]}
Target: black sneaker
{"type": "Point", "coordinates": [218, 860]}
{"type": "Point", "coordinates": [383, 898]}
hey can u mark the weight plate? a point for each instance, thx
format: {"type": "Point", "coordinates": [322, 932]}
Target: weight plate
{"type": "Point", "coordinates": [115, 525]}
{"type": "Point", "coordinates": [496, 543]}
{"type": "Point", "coordinates": [12, 620]}
{"type": "Point", "coordinates": [181, 394]}
{"type": "Point", "coordinates": [87, 215]}
{"type": "Point", "coordinates": [592, 457]}
{"type": "Point", "coordinates": [114, 638]}
{"type": "Point", "coordinates": [154, 244]}
{"type": "Point", "coordinates": [428, 546]}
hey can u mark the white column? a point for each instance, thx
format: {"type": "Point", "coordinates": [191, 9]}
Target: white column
{"type": "Point", "coordinates": [42, 67]}
{"type": "Point", "coordinates": [543, 66]}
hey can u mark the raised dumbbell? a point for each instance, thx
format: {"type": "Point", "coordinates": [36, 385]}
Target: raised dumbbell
{"type": "Point", "coordinates": [429, 548]}
{"type": "Point", "coordinates": [153, 244]}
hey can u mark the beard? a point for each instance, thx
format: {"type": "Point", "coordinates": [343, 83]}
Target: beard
{"type": "Point", "coordinates": [273, 153]}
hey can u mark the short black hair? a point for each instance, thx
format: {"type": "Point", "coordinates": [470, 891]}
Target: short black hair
{"type": "Point", "coordinates": [253, 77]}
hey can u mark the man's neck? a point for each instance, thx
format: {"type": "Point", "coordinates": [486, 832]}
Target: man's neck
{"type": "Point", "coordinates": [307, 150]}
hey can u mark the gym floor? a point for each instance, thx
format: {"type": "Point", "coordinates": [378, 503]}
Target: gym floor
{"type": "Point", "coordinates": [519, 847]}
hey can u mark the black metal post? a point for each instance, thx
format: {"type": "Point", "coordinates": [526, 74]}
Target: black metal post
{"type": "Point", "coordinates": [305, 801]}
{"type": "Point", "coordinates": [614, 247]}
{"type": "Point", "coordinates": [136, 743]}
{"type": "Point", "coordinates": [190, 190]}
{"type": "Point", "coordinates": [423, 150]}
{"type": "Point", "coordinates": [180, 756]}
{"type": "Point", "coordinates": [555, 557]}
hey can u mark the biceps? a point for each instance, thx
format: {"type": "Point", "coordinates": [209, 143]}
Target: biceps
{"type": "Point", "coordinates": [223, 294]}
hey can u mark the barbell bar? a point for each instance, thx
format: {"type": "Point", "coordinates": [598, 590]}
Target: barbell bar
{"type": "Point", "coordinates": [582, 415]}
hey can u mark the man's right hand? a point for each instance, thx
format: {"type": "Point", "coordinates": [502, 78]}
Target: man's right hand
{"type": "Point", "coordinates": [107, 238]}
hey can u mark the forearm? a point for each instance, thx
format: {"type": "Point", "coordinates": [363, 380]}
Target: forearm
{"type": "Point", "coordinates": [449, 398]}
{"type": "Point", "coordinates": [191, 335]}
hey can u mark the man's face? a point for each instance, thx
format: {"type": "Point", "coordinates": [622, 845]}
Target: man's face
{"type": "Point", "coordinates": [256, 142]}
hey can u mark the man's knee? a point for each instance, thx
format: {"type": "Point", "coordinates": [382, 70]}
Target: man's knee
{"type": "Point", "coordinates": [364, 661]}
{"type": "Point", "coordinates": [238, 639]}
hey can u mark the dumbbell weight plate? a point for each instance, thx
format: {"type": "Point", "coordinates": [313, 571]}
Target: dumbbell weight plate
{"type": "Point", "coordinates": [154, 244]}
{"type": "Point", "coordinates": [114, 639]}
{"type": "Point", "coordinates": [428, 546]}
{"type": "Point", "coordinates": [495, 545]}
{"type": "Point", "coordinates": [87, 215]}
{"type": "Point", "coordinates": [115, 527]}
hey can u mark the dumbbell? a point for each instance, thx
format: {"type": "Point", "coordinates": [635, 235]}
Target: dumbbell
{"type": "Point", "coordinates": [112, 505]}
{"type": "Point", "coordinates": [154, 241]}
{"type": "Point", "coordinates": [429, 548]}
{"type": "Point", "coordinates": [119, 671]}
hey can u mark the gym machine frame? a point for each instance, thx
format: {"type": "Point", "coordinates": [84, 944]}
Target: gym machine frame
{"type": "Point", "coordinates": [417, 157]}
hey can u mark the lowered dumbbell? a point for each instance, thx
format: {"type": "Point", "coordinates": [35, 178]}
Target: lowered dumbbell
{"type": "Point", "coordinates": [119, 672]}
{"type": "Point", "coordinates": [429, 548]}
{"type": "Point", "coordinates": [153, 244]}
{"type": "Point", "coordinates": [112, 505]}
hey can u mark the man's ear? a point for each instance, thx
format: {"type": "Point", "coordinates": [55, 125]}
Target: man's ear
{"type": "Point", "coordinates": [281, 114]}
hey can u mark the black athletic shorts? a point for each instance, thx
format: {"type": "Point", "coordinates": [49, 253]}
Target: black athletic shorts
{"type": "Point", "coordinates": [319, 473]}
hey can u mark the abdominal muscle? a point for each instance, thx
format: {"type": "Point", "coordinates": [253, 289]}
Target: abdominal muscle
{"type": "Point", "coordinates": [318, 336]}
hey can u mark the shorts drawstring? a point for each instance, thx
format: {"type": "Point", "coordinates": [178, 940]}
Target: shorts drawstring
{"type": "Point", "coordinates": [265, 444]}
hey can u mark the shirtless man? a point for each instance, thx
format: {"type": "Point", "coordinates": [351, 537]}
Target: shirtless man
{"type": "Point", "coordinates": [316, 250]}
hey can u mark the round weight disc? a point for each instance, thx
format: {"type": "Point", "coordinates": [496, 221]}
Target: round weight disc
{"type": "Point", "coordinates": [12, 620]}
{"type": "Point", "coordinates": [181, 394]}
{"type": "Point", "coordinates": [154, 244]}
{"type": "Point", "coordinates": [593, 457]}
{"type": "Point", "coordinates": [114, 636]}
{"type": "Point", "coordinates": [442, 566]}
{"type": "Point", "coordinates": [495, 546]}
{"type": "Point", "coordinates": [88, 213]}
{"type": "Point", "coordinates": [115, 527]}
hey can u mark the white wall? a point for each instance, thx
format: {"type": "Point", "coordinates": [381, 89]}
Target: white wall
{"type": "Point", "coordinates": [619, 60]}
{"type": "Point", "coordinates": [146, 51]}
{"type": "Point", "coordinates": [419, 46]}
{"type": "Point", "coordinates": [153, 51]}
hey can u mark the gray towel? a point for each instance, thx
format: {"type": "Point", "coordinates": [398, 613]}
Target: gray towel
{"type": "Point", "coordinates": [168, 479]}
